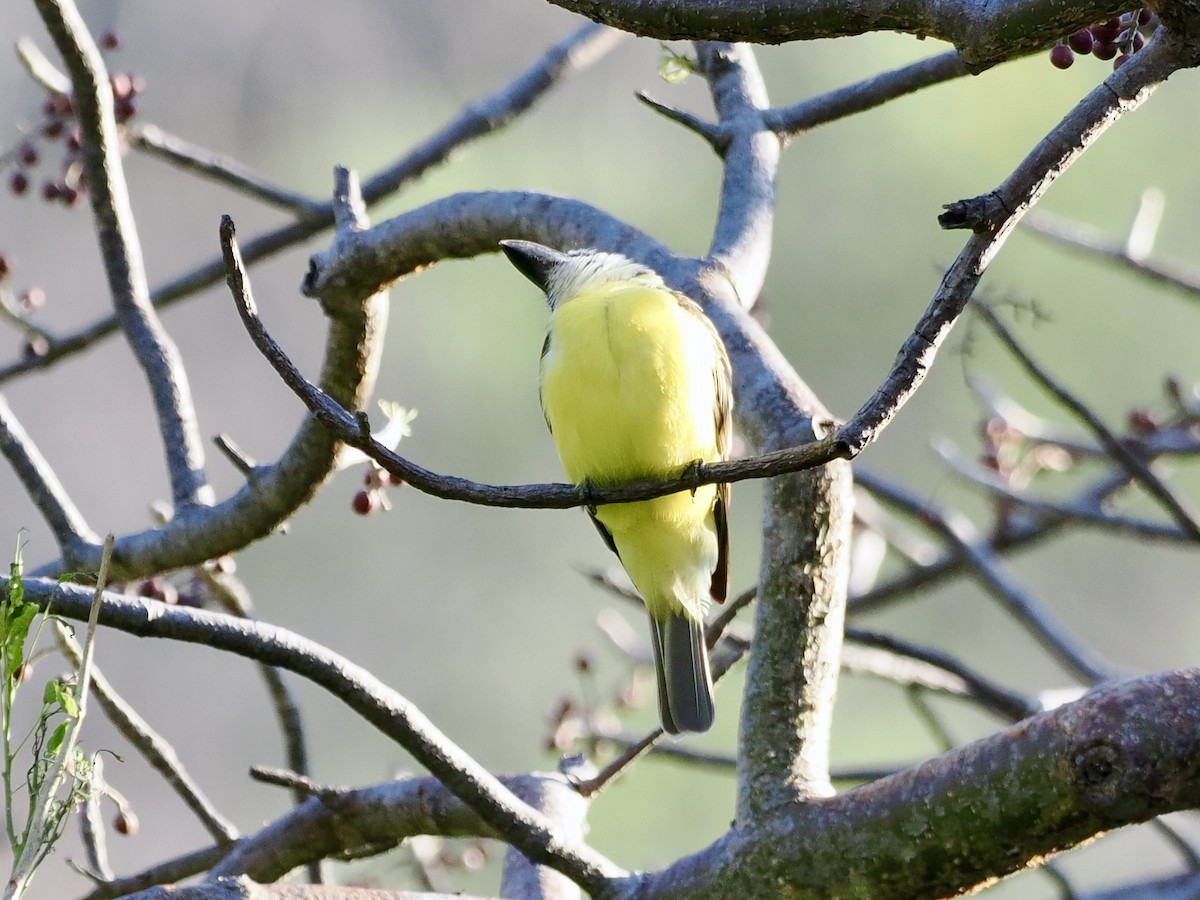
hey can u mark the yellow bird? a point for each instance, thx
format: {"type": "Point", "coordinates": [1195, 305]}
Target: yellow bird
{"type": "Point", "coordinates": [635, 383]}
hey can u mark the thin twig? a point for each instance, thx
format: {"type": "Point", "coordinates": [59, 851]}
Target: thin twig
{"type": "Point", "coordinates": [966, 682]}
{"type": "Point", "coordinates": [222, 169]}
{"type": "Point", "coordinates": [1096, 244]}
{"type": "Point", "coordinates": [479, 119]}
{"type": "Point", "coordinates": [867, 94]}
{"type": "Point", "coordinates": [1134, 464]}
{"type": "Point", "coordinates": [1119, 94]}
{"type": "Point", "coordinates": [168, 872]}
{"type": "Point", "coordinates": [233, 598]}
{"type": "Point", "coordinates": [41, 484]}
{"type": "Point", "coordinates": [721, 664]}
{"type": "Point", "coordinates": [394, 715]}
{"type": "Point", "coordinates": [982, 563]}
{"type": "Point", "coordinates": [156, 750]}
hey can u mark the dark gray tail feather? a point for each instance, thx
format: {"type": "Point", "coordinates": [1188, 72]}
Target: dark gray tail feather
{"type": "Point", "coordinates": [685, 692]}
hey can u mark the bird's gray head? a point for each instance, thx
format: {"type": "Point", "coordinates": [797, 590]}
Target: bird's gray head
{"type": "Point", "coordinates": [563, 275]}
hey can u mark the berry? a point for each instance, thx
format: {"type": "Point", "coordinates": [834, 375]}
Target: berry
{"type": "Point", "coordinates": [1081, 41]}
{"type": "Point", "coordinates": [1141, 422]}
{"type": "Point", "coordinates": [1107, 32]}
{"type": "Point", "coordinates": [4, 267]}
{"type": "Point", "coordinates": [125, 822]}
{"type": "Point", "coordinates": [27, 154]}
{"type": "Point", "coordinates": [32, 298]}
{"type": "Point", "coordinates": [365, 502]}
{"type": "Point", "coordinates": [1061, 56]}
{"type": "Point", "coordinates": [1145, 16]}
{"type": "Point", "coordinates": [50, 190]}
{"type": "Point", "coordinates": [18, 183]}
{"type": "Point", "coordinates": [1120, 61]}
{"type": "Point", "coordinates": [109, 40]}
{"type": "Point", "coordinates": [1104, 50]}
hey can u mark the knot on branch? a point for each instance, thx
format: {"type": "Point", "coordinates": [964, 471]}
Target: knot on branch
{"type": "Point", "coordinates": [982, 215]}
{"type": "Point", "coordinates": [1109, 782]}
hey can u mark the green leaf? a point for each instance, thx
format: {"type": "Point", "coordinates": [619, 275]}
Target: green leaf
{"type": "Point", "coordinates": [56, 738]}
{"type": "Point", "coordinates": [17, 620]}
{"type": "Point", "coordinates": [674, 67]}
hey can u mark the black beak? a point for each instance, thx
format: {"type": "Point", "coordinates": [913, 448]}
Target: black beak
{"type": "Point", "coordinates": [534, 261]}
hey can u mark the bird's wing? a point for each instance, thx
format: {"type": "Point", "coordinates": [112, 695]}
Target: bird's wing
{"type": "Point", "coordinates": [723, 411]}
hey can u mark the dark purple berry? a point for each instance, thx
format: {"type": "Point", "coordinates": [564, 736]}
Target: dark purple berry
{"type": "Point", "coordinates": [1145, 16]}
{"type": "Point", "coordinates": [1104, 50]}
{"type": "Point", "coordinates": [27, 154]}
{"type": "Point", "coordinates": [365, 502]}
{"type": "Point", "coordinates": [1081, 41]}
{"type": "Point", "coordinates": [1139, 41]}
{"type": "Point", "coordinates": [1061, 56]}
{"type": "Point", "coordinates": [18, 183]}
{"type": "Point", "coordinates": [50, 190]}
{"type": "Point", "coordinates": [109, 40]}
{"type": "Point", "coordinates": [1107, 32]}
{"type": "Point", "coordinates": [1120, 61]}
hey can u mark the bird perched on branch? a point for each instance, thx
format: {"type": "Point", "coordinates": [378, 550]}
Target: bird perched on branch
{"type": "Point", "coordinates": [635, 384]}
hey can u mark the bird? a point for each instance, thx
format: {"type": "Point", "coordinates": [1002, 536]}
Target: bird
{"type": "Point", "coordinates": [635, 383]}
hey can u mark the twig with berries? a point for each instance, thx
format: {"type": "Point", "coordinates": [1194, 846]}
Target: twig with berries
{"type": "Point", "coordinates": [1117, 39]}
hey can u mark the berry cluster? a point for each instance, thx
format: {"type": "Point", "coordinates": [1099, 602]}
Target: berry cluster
{"type": "Point", "coordinates": [373, 497]}
{"type": "Point", "coordinates": [58, 125]}
{"type": "Point", "coordinates": [1117, 39]}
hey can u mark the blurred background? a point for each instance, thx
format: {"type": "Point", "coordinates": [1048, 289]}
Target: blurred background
{"type": "Point", "coordinates": [479, 616]}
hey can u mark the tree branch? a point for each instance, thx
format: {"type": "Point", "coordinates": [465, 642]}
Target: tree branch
{"type": "Point", "coordinates": [1124, 753]}
{"type": "Point", "coordinates": [479, 119]}
{"type": "Point", "coordinates": [388, 711]}
{"type": "Point", "coordinates": [984, 33]}
{"type": "Point", "coordinates": [153, 348]}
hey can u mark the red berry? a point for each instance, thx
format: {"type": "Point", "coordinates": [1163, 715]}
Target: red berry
{"type": "Point", "coordinates": [1141, 422]}
{"type": "Point", "coordinates": [365, 502]}
{"type": "Point", "coordinates": [1107, 32]}
{"type": "Point", "coordinates": [27, 154]}
{"type": "Point", "coordinates": [1139, 41]}
{"type": "Point", "coordinates": [125, 108]}
{"type": "Point", "coordinates": [1145, 16]}
{"type": "Point", "coordinates": [125, 822]}
{"type": "Point", "coordinates": [18, 183]}
{"type": "Point", "coordinates": [1061, 56]}
{"type": "Point", "coordinates": [1081, 41]}
{"type": "Point", "coordinates": [109, 40]}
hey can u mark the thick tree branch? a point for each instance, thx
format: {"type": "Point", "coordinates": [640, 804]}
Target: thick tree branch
{"type": "Point", "coordinates": [378, 704]}
{"type": "Point", "coordinates": [1124, 753]}
{"type": "Point", "coordinates": [984, 33]}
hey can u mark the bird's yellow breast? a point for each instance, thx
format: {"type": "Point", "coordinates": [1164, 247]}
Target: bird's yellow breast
{"type": "Point", "coordinates": [628, 384]}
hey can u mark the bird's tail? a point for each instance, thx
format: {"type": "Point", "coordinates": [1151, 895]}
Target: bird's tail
{"type": "Point", "coordinates": [685, 691]}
